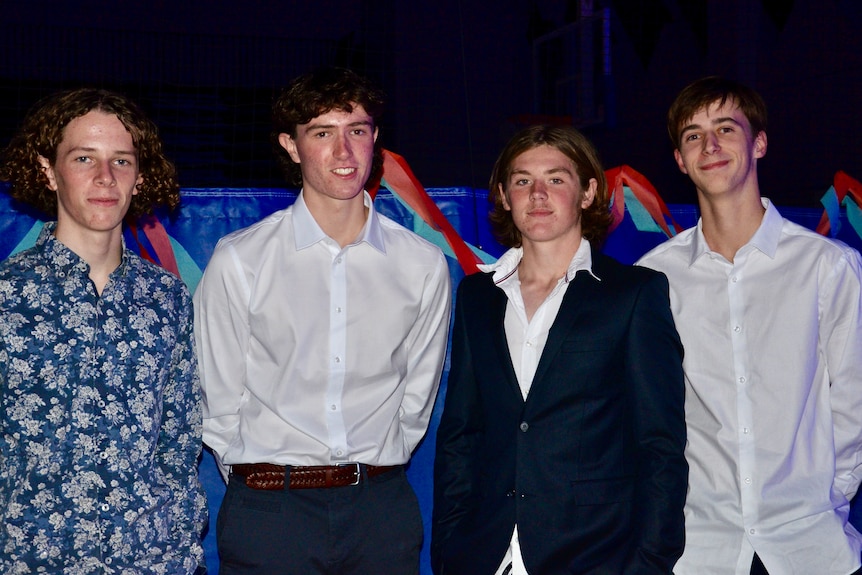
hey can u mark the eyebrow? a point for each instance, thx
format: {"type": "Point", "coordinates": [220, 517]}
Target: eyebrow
{"type": "Point", "coordinates": [88, 149]}
{"type": "Point", "coordinates": [555, 170]}
{"type": "Point", "coordinates": [313, 126]}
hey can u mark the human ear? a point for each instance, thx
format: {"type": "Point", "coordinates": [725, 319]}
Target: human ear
{"type": "Point", "coordinates": [589, 194]}
{"type": "Point", "coordinates": [289, 144]}
{"type": "Point", "coordinates": [503, 198]}
{"type": "Point", "coordinates": [49, 172]}
{"type": "Point", "coordinates": [678, 157]}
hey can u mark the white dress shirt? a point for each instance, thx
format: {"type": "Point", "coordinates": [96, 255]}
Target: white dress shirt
{"type": "Point", "coordinates": [527, 339]}
{"type": "Point", "coordinates": [773, 371]}
{"type": "Point", "coordinates": [313, 354]}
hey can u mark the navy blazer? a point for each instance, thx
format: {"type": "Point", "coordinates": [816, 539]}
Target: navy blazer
{"type": "Point", "coordinates": [591, 466]}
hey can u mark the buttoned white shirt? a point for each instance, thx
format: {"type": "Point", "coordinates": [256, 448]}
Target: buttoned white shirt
{"type": "Point", "coordinates": [314, 354]}
{"type": "Point", "coordinates": [527, 339]}
{"type": "Point", "coordinates": [773, 372]}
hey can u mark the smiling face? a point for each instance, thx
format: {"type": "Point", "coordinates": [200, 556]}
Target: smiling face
{"type": "Point", "coordinates": [335, 152]}
{"type": "Point", "coordinates": [95, 176]}
{"type": "Point", "coordinates": [545, 196]}
{"type": "Point", "coordinates": [719, 152]}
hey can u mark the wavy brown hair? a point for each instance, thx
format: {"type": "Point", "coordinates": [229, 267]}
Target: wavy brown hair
{"type": "Point", "coordinates": [595, 219]}
{"type": "Point", "coordinates": [317, 93]}
{"type": "Point", "coordinates": [42, 131]}
{"type": "Point", "coordinates": [710, 90]}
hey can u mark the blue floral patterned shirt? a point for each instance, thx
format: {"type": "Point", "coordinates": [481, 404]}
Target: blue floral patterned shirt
{"type": "Point", "coordinates": [100, 420]}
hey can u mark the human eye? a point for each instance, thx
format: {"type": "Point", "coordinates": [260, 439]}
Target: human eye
{"type": "Point", "coordinates": [557, 181]}
{"type": "Point", "coordinates": [726, 129]}
{"type": "Point", "coordinates": [81, 159]}
{"type": "Point", "coordinates": [691, 137]}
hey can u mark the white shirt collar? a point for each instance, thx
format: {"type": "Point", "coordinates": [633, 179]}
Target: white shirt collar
{"type": "Point", "coordinates": [307, 232]}
{"type": "Point", "coordinates": [506, 266]}
{"type": "Point", "coordinates": [764, 239]}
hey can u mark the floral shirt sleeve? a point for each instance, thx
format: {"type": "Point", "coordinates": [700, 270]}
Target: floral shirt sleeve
{"type": "Point", "coordinates": [100, 419]}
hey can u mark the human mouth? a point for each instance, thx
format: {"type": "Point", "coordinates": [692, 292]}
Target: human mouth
{"type": "Point", "coordinates": [344, 171]}
{"type": "Point", "coordinates": [105, 201]}
{"type": "Point", "coordinates": [714, 165]}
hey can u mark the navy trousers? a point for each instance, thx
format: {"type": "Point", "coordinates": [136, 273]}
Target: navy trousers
{"type": "Point", "coordinates": [373, 527]}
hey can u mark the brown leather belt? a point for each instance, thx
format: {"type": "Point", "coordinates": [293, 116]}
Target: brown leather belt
{"type": "Point", "coordinates": [271, 477]}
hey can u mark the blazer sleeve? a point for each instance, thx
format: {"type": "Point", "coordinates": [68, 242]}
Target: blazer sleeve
{"type": "Point", "coordinates": [458, 434]}
{"type": "Point", "coordinates": [654, 368]}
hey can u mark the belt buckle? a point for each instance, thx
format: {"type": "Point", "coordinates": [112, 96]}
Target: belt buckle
{"type": "Point", "coordinates": [358, 472]}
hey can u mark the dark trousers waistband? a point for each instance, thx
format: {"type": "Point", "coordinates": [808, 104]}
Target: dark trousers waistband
{"type": "Point", "coordinates": [270, 477]}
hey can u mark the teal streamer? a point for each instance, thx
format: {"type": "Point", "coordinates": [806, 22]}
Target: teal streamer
{"type": "Point", "coordinates": [190, 273]}
{"type": "Point", "coordinates": [640, 216]}
{"type": "Point", "coordinates": [854, 214]}
{"type": "Point", "coordinates": [423, 230]}
{"type": "Point", "coordinates": [30, 239]}
{"type": "Point", "coordinates": [833, 210]}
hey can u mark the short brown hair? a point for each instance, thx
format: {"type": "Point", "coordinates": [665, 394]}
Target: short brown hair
{"type": "Point", "coordinates": [319, 92]}
{"type": "Point", "coordinates": [42, 131]}
{"type": "Point", "coordinates": [707, 91]}
{"type": "Point", "coordinates": [595, 219]}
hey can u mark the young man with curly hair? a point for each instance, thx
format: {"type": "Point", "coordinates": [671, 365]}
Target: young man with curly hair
{"type": "Point", "coordinates": [322, 333]}
{"type": "Point", "coordinates": [100, 419]}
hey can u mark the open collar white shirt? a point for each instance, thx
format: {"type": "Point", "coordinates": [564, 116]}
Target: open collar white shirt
{"type": "Point", "coordinates": [773, 372]}
{"type": "Point", "coordinates": [527, 339]}
{"type": "Point", "coordinates": [314, 354]}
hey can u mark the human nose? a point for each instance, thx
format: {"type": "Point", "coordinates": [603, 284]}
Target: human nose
{"type": "Point", "coordinates": [538, 191]}
{"type": "Point", "coordinates": [105, 175]}
{"type": "Point", "coordinates": [710, 143]}
{"type": "Point", "coordinates": [342, 147]}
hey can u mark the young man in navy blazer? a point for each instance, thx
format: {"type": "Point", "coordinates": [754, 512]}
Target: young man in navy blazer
{"type": "Point", "coordinates": [561, 444]}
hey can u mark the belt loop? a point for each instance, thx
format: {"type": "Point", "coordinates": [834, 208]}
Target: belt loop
{"type": "Point", "coordinates": [286, 486]}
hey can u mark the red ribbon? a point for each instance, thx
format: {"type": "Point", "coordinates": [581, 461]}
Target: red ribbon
{"type": "Point", "coordinates": [644, 192]}
{"type": "Point", "coordinates": [401, 180]}
{"type": "Point", "coordinates": [844, 185]}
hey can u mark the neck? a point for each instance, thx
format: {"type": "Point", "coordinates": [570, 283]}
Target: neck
{"type": "Point", "coordinates": [547, 262]}
{"type": "Point", "coordinates": [341, 220]}
{"type": "Point", "coordinates": [729, 223]}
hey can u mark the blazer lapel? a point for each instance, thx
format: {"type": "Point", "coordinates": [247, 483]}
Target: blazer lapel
{"type": "Point", "coordinates": [578, 294]}
{"type": "Point", "coordinates": [496, 302]}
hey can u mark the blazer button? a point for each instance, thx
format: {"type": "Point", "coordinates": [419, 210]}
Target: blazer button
{"type": "Point", "coordinates": [524, 426]}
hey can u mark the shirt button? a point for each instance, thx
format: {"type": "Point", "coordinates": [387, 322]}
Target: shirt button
{"type": "Point", "coordinates": [333, 407]}
{"type": "Point", "coordinates": [748, 480]}
{"type": "Point", "coordinates": [339, 453]}
{"type": "Point", "coordinates": [337, 359]}
{"type": "Point", "coordinates": [752, 531]}
{"type": "Point", "coordinates": [745, 430]}
{"type": "Point", "coordinates": [338, 260]}
{"type": "Point", "coordinates": [736, 328]}
{"type": "Point", "coordinates": [742, 379]}
{"type": "Point", "coordinates": [109, 560]}
{"type": "Point", "coordinates": [734, 279]}
{"type": "Point", "coordinates": [338, 310]}
{"type": "Point", "coordinates": [524, 426]}
{"type": "Point", "coordinates": [106, 507]}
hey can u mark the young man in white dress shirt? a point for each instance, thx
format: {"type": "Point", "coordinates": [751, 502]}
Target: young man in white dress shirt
{"type": "Point", "coordinates": [322, 334]}
{"type": "Point", "coordinates": [770, 315]}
